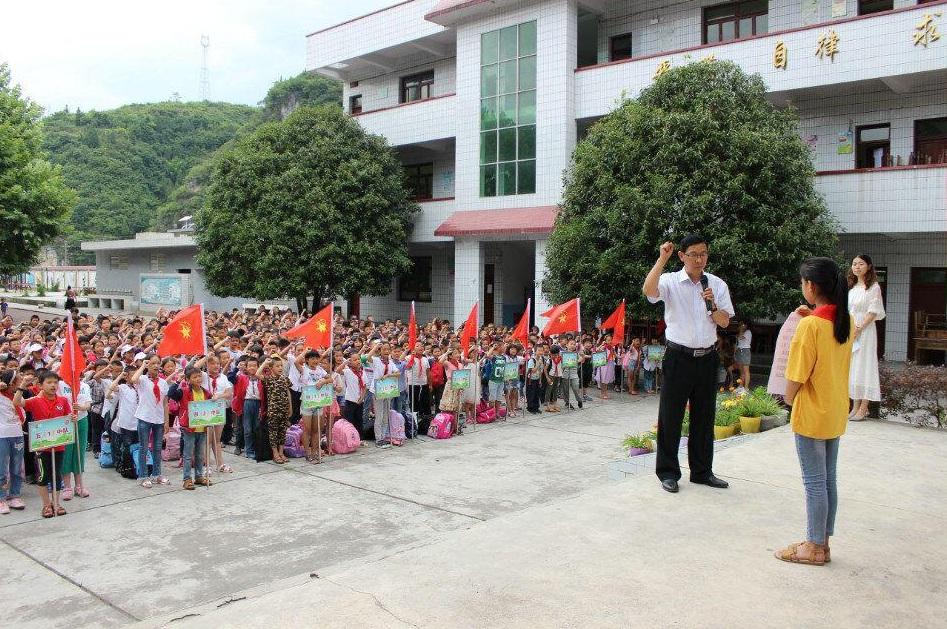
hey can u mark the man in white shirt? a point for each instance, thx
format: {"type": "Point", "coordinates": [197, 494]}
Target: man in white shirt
{"type": "Point", "coordinates": [695, 305]}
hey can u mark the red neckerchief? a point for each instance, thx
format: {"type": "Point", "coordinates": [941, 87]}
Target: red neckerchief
{"type": "Point", "coordinates": [826, 312]}
{"type": "Point", "coordinates": [213, 384]}
{"type": "Point", "coordinates": [19, 411]}
{"type": "Point", "coordinates": [156, 390]}
{"type": "Point", "coordinates": [556, 359]}
{"type": "Point", "coordinates": [361, 381]}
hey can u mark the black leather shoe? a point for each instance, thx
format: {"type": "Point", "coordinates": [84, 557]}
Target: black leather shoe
{"type": "Point", "coordinates": [712, 481]}
{"type": "Point", "coordinates": [670, 485]}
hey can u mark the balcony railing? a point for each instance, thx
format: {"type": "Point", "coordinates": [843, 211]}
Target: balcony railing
{"type": "Point", "coordinates": [887, 200]}
{"type": "Point", "coordinates": [418, 121]}
{"type": "Point", "coordinates": [791, 59]}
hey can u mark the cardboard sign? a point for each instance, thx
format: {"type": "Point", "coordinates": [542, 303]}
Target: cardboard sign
{"type": "Point", "coordinates": [460, 379]}
{"type": "Point", "coordinates": [599, 359]}
{"type": "Point", "coordinates": [570, 360]}
{"type": "Point", "coordinates": [511, 371]}
{"type": "Point", "coordinates": [204, 413]}
{"type": "Point", "coordinates": [387, 387]}
{"type": "Point", "coordinates": [316, 397]}
{"type": "Point", "coordinates": [51, 433]}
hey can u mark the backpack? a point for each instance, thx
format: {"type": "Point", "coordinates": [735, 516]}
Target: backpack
{"type": "Point", "coordinates": [261, 442]}
{"type": "Point", "coordinates": [438, 377]}
{"type": "Point", "coordinates": [105, 452]}
{"type": "Point", "coordinates": [410, 424]}
{"type": "Point", "coordinates": [294, 435]}
{"type": "Point", "coordinates": [487, 416]}
{"type": "Point", "coordinates": [149, 461]}
{"type": "Point", "coordinates": [172, 445]}
{"type": "Point", "coordinates": [440, 427]}
{"type": "Point", "coordinates": [344, 437]}
{"type": "Point", "coordinates": [395, 430]}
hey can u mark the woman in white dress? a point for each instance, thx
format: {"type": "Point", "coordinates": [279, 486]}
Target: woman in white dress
{"type": "Point", "coordinates": [866, 307]}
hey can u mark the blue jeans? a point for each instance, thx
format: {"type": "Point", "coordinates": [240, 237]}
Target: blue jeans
{"type": "Point", "coordinates": [11, 467]}
{"type": "Point", "coordinates": [156, 431]}
{"type": "Point", "coordinates": [251, 421]}
{"type": "Point", "coordinates": [195, 444]}
{"type": "Point", "coordinates": [818, 458]}
{"type": "Point", "coordinates": [648, 380]}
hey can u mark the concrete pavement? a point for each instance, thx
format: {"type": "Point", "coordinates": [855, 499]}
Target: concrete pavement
{"type": "Point", "coordinates": [514, 525]}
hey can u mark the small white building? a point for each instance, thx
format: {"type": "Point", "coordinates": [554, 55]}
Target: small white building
{"type": "Point", "coordinates": [485, 101]}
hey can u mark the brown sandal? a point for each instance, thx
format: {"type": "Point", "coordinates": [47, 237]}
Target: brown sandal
{"type": "Point", "coordinates": [60, 511]}
{"type": "Point", "coordinates": [48, 511]}
{"type": "Point", "coordinates": [790, 554]}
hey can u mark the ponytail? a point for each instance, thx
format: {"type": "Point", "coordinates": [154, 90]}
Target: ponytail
{"type": "Point", "coordinates": [832, 285]}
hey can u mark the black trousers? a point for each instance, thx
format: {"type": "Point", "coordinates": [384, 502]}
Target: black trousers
{"type": "Point", "coordinates": [694, 380]}
{"type": "Point", "coordinates": [421, 399]}
{"type": "Point", "coordinates": [437, 394]}
{"type": "Point", "coordinates": [533, 391]}
{"type": "Point", "coordinates": [96, 426]}
{"type": "Point", "coordinates": [226, 435]}
{"type": "Point", "coordinates": [295, 398]}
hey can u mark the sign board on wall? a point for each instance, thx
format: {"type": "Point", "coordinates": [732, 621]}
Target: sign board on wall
{"type": "Point", "coordinates": [163, 290]}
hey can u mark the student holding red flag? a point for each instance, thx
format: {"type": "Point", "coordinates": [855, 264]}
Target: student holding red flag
{"type": "Point", "coordinates": [521, 331]}
{"type": "Point", "coordinates": [470, 329]}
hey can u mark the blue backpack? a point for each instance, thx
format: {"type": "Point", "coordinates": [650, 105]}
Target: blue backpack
{"type": "Point", "coordinates": [105, 454]}
{"type": "Point", "coordinates": [149, 459]}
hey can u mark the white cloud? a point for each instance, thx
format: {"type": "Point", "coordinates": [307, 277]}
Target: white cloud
{"type": "Point", "coordinates": [102, 54]}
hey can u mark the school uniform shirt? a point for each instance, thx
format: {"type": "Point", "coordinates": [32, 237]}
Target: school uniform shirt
{"type": "Point", "coordinates": [220, 384]}
{"type": "Point", "coordinates": [254, 390]}
{"type": "Point", "coordinates": [309, 377]}
{"type": "Point", "coordinates": [821, 365]}
{"type": "Point", "coordinates": [40, 408]}
{"type": "Point", "coordinates": [127, 400]}
{"type": "Point", "coordinates": [352, 384]}
{"type": "Point", "coordinates": [11, 417]}
{"type": "Point", "coordinates": [685, 311]}
{"type": "Point", "coordinates": [417, 368]}
{"type": "Point", "coordinates": [380, 369]}
{"type": "Point", "coordinates": [555, 367]}
{"type": "Point", "coordinates": [294, 374]}
{"type": "Point", "coordinates": [531, 364]}
{"type": "Point", "coordinates": [150, 408]}
{"type": "Point", "coordinates": [744, 341]}
{"type": "Point", "coordinates": [82, 398]}
{"type": "Point", "coordinates": [108, 404]}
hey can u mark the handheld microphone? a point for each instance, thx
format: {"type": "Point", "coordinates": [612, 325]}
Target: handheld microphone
{"type": "Point", "coordinates": [704, 282]}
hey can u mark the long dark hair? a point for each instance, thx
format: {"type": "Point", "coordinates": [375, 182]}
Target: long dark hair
{"type": "Point", "coordinates": [870, 275]}
{"type": "Point", "coordinates": [832, 285]}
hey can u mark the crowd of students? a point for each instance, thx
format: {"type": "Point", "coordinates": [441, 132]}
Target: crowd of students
{"type": "Point", "coordinates": [134, 401]}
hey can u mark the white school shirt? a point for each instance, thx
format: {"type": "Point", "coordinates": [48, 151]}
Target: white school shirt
{"type": "Point", "coordinates": [685, 311]}
{"type": "Point", "coordinates": [309, 376]}
{"type": "Point", "coordinates": [253, 388]}
{"type": "Point", "coordinates": [417, 373]}
{"type": "Point", "coordinates": [220, 384]}
{"type": "Point", "coordinates": [352, 387]}
{"type": "Point", "coordinates": [379, 369]}
{"type": "Point", "coordinates": [127, 404]}
{"type": "Point", "coordinates": [108, 405]}
{"type": "Point", "coordinates": [83, 397]}
{"type": "Point", "coordinates": [10, 425]}
{"type": "Point", "coordinates": [293, 373]}
{"type": "Point", "coordinates": [743, 341]}
{"type": "Point", "coordinates": [149, 409]}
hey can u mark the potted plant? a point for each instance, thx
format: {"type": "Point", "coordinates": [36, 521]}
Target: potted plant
{"type": "Point", "coordinates": [751, 408]}
{"type": "Point", "coordinates": [773, 414]}
{"type": "Point", "coordinates": [638, 444]}
{"type": "Point", "coordinates": [725, 422]}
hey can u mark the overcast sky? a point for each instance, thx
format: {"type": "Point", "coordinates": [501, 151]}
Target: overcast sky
{"type": "Point", "coordinates": [103, 53]}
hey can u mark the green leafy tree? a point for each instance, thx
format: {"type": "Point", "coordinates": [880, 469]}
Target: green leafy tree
{"type": "Point", "coordinates": [306, 88]}
{"type": "Point", "coordinates": [307, 206]}
{"type": "Point", "coordinates": [700, 151]}
{"type": "Point", "coordinates": [34, 201]}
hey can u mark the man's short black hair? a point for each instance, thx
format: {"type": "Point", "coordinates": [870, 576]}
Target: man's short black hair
{"type": "Point", "coordinates": [692, 239]}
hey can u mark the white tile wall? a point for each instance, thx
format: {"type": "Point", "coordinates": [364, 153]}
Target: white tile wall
{"type": "Point", "coordinates": [442, 284]}
{"type": "Point", "coordinates": [383, 89]}
{"type": "Point", "coordinates": [422, 121]}
{"type": "Point", "coordinates": [468, 277]}
{"type": "Point", "coordinates": [899, 255]}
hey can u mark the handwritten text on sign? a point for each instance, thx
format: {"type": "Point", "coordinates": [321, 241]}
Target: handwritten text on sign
{"type": "Point", "coordinates": [203, 413]}
{"type": "Point", "coordinates": [50, 433]}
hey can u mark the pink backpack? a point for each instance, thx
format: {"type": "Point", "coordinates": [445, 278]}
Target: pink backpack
{"type": "Point", "coordinates": [441, 426]}
{"type": "Point", "coordinates": [172, 445]}
{"type": "Point", "coordinates": [487, 416]}
{"type": "Point", "coordinates": [344, 437]}
{"type": "Point", "coordinates": [292, 447]}
{"type": "Point", "coordinates": [396, 434]}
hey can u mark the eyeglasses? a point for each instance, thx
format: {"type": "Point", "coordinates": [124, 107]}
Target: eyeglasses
{"type": "Point", "coordinates": [698, 256]}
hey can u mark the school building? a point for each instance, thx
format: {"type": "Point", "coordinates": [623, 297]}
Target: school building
{"type": "Point", "coordinates": [485, 100]}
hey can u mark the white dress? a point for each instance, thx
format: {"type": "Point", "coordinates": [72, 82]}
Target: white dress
{"type": "Point", "coordinates": [863, 378]}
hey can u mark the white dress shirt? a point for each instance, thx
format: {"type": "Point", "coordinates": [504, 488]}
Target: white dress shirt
{"type": "Point", "coordinates": [685, 311]}
{"type": "Point", "coordinates": [149, 409]}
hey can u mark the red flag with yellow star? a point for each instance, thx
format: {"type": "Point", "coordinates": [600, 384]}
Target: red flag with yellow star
{"type": "Point", "coordinates": [185, 333]}
{"type": "Point", "coordinates": [563, 318]}
{"type": "Point", "coordinates": [616, 322]}
{"type": "Point", "coordinates": [469, 332]}
{"type": "Point", "coordinates": [317, 331]}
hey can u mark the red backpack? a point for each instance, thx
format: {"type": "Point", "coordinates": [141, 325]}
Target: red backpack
{"type": "Point", "coordinates": [438, 378]}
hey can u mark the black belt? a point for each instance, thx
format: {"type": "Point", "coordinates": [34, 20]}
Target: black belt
{"type": "Point", "coordinates": [696, 353]}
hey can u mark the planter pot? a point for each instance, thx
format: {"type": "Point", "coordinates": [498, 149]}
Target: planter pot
{"type": "Point", "coordinates": [637, 451]}
{"type": "Point", "coordinates": [749, 425]}
{"type": "Point", "coordinates": [724, 432]}
{"type": "Point", "coordinates": [768, 422]}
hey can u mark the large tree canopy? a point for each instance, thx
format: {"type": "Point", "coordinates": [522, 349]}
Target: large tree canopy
{"type": "Point", "coordinates": [34, 201]}
{"type": "Point", "coordinates": [700, 151]}
{"type": "Point", "coordinates": [311, 205]}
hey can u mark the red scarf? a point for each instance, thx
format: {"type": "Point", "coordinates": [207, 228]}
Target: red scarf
{"type": "Point", "coordinates": [156, 390]}
{"type": "Point", "coordinates": [361, 381]}
{"type": "Point", "coordinates": [556, 359]}
{"type": "Point", "coordinates": [826, 312]}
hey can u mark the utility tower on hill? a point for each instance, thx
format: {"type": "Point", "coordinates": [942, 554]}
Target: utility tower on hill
{"type": "Point", "coordinates": [205, 73]}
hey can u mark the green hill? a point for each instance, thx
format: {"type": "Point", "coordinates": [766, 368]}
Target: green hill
{"type": "Point", "coordinates": [143, 166]}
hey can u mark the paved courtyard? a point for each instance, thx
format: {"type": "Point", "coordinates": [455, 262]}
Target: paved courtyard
{"type": "Point", "coordinates": [521, 523]}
